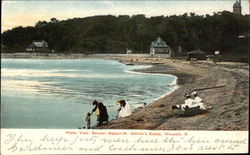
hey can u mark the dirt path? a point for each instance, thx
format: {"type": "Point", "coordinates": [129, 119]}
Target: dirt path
{"type": "Point", "coordinates": [229, 103]}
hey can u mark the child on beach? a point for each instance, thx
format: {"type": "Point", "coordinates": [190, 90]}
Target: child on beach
{"type": "Point", "coordinates": [88, 120]}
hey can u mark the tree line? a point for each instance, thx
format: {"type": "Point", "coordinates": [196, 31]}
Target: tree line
{"type": "Point", "coordinates": [114, 34]}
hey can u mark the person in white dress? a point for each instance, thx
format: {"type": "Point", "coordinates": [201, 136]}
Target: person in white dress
{"type": "Point", "coordinates": [125, 109]}
{"type": "Point", "coordinates": [190, 103]}
{"type": "Point", "coordinates": [198, 100]}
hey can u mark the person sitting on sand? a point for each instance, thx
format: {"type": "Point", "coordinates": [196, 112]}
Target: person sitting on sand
{"type": "Point", "coordinates": [190, 103]}
{"type": "Point", "coordinates": [196, 97]}
{"type": "Point", "coordinates": [190, 106]}
{"type": "Point", "coordinates": [125, 109]}
{"type": "Point", "coordinates": [88, 120]}
{"type": "Point", "coordinates": [198, 100]}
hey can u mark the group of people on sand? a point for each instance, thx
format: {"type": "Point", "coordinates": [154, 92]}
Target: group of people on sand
{"type": "Point", "coordinates": [195, 101]}
{"type": "Point", "coordinates": [123, 110]}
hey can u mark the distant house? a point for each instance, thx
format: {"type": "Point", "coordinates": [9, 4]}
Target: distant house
{"type": "Point", "coordinates": [160, 47]}
{"type": "Point", "coordinates": [129, 51]}
{"type": "Point", "coordinates": [38, 46]}
{"type": "Point", "coordinates": [197, 54]}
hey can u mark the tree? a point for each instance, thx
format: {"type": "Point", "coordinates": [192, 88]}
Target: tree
{"type": "Point", "coordinates": [54, 20]}
{"type": "Point", "coordinates": [111, 34]}
{"type": "Point", "coordinates": [41, 23]}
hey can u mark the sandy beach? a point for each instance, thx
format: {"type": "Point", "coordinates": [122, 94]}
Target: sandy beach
{"type": "Point", "coordinates": [228, 100]}
{"type": "Point", "coordinates": [227, 92]}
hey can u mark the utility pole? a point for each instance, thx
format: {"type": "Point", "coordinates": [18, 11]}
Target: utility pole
{"type": "Point", "coordinates": [249, 6]}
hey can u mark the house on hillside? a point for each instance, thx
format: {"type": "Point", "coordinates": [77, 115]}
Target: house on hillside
{"type": "Point", "coordinates": [38, 46]}
{"type": "Point", "coordinates": [129, 51]}
{"type": "Point", "coordinates": [160, 47]}
{"type": "Point", "coordinates": [196, 54]}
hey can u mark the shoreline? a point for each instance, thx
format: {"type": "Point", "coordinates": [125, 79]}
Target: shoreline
{"type": "Point", "coordinates": [145, 71]}
{"type": "Point", "coordinates": [157, 116]}
{"type": "Point", "coordinates": [230, 105]}
{"type": "Point", "coordinates": [174, 83]}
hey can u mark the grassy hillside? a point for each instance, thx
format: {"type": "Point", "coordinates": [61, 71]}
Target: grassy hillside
{"type": "Point", "coordinates": [114, 34]}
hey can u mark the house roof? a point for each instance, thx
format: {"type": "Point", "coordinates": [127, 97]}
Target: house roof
{"type": "Point", "coordinates": [196, 52]}
{"type": "Point", "coordinates": [38, 44]}
{"type": "Point", "coordinates": [237, 4]}
{"type": "Point", "coordinates": [159, 43]}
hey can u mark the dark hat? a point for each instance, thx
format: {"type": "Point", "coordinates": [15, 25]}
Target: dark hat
{"type": "Point", "coordinates": [186, 95]}
{"type": "Point", "coordinates": [94, 102]}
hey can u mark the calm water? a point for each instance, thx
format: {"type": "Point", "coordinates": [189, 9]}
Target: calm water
{"type": "Point", "coordinates": [57, 93]}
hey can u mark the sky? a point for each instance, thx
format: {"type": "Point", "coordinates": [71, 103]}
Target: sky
{"type": "Point", "coordinates": [28, 12]}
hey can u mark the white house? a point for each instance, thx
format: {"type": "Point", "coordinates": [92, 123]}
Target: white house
{"type": "Point", "coordinates": [38, 46]}
{"type": "Point", "coordinates": [129, 51]}
{"type": "Point", "coordinates": [160, 47]}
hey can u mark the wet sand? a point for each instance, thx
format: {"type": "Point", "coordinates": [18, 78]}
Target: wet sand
{"type": "Point", "coordinates": [228, 100]}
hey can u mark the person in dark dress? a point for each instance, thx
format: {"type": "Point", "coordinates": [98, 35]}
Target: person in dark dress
{"type": "Point", "coordinates": [103, 114]}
